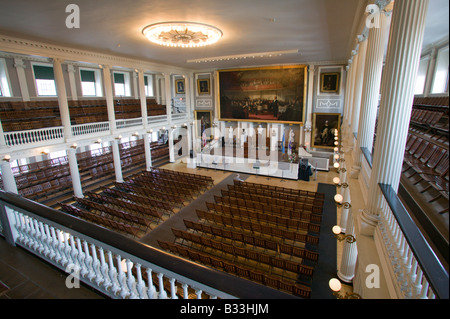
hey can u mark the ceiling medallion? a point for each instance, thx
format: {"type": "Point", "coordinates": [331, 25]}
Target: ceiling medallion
{"type": "Point", "coordinates": [182, 34]}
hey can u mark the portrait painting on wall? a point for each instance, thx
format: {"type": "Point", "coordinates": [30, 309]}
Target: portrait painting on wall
{"type": "Point", "coordinates": [268, 94]}
{"type": "Point", "coordinates": [202, 121]}
{"type": "Point", "coordinates": [324, 126]}
{"type": "Point", "coordinates": [179, 86]}
{"type": "Point", "coordinates": [329, 82]}
{"type": "Point", "coordinates": [203, 87]}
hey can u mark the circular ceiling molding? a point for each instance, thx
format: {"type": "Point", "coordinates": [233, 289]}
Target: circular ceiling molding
{"type": "Point", "coordinates": [182, 34]}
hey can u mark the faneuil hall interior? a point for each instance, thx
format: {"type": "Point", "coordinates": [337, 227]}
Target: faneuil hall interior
{"type": "Point", "coordinates": [221, 150]}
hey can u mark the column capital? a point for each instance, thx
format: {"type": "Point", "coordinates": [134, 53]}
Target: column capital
{"type": "Point", "coordinates": [18, 63]}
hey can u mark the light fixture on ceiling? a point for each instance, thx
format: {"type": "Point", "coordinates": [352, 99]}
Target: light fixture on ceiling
{"type": "Point", "coordinates": [244, 56]}
{"type": "Point", "coordinates": [182, 34]}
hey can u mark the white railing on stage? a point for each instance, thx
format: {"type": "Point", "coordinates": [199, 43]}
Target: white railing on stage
{"type": "Point", "coordinates": [416, 271]}
{"type": "Point", "coordinates": [117, 266]}
{"type": "Point", "coordinates": [34, 136]}
{"type": "Point", "coordinates": [90, 128]}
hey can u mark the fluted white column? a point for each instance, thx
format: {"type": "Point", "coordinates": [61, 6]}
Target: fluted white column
{"type": "Point", "coordinates": [109, 96]}
{"type": "Point", "coordinates": [168, 95]}
{"type": "Point", "coordinates": [9, 182]}
{"type": "Point", "coordinates": [116, 159]}
{"type": "Point", "coordinates": [143, 98]}
{"type": "Point", "coordinates": [346, 270]}
{"type": "Point", "coordinates": [148, 151]}
{"type": "Point", "coordinates": [359, 78]}
{"type": "Point", "coordinates": [308, 121]}
{"type": "Point", "coordinates": [376, 45]}
{"type": "Point", "coordinates": [171, 145]}
{"type": "Point", "coordinates": [397, 93]}
{"type": "Point", "coordinates": [74, 172]}
{"type": "Point", "coordinates": [351, 88]}
{"type": "Point", "coordinates": [62, 98]}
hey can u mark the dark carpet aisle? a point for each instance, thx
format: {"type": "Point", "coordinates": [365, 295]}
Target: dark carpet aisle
{"type": "Point", "coordinates": [326, 267]}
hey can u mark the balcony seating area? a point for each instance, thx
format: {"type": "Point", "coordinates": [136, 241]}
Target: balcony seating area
{"type": "Point", "coordinates": [33, 115]}
{"type": "Point", "coordinates": [262, 233]}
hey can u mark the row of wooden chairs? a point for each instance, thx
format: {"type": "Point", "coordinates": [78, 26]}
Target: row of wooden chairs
{"type": "Point", "coordinates": [250, 254]}
{"type": "Point", "coordinates": [178, 201]}
{"type": "Point", "coordinates": [43, 190]}
{"type": "Point", "coordinates": [257, 276]}
{"type": "Point", "coordinates": [431, 101]}
{"type": "Point", "coordinates": [125, 205]}
{"type": "Point", "coordinates": [101, 220]}
{"type": "Point", "coordinates": [270, 194]}
{"type": "Point", "coordinates": [42, 176]}
{"type": "Point", "coordinates": [38, 166]}
{"type": "Point", "coordinates": [186, 193]}
{"type": "Point", "coordinates": [262, 217]}
{"type": "Point", "coordinates": [143, 200]}
{"type": "Point", "coordinates": [258, 228]}
{"type": "Point", "coordinates": [182, 181]}
{"type": "Point", "coordinates": [278, 189]}
{"type": "Point", "coordinates": [425, 117]}
{"type": "Point", "coordinates": [299, 213]}
{"type": "Point", "coordinates": [239, 238]}
{"type": "Point", "coordinates": [207, 179]}
{"type": "Point", "coordinates": [301, 204]}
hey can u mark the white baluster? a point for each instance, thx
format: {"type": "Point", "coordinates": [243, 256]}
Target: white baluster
{"type": "Point", "coordinates": [131, 281]}
{"type": "Point", "coordinates": [44, 239]}
{"type": "Point", "coordinates": [56, 247]}
{"type": "Point", "coordinates": [124, 292]}
{"type": "Point", "coordinates": [173, 289]}
{"type": "Point", "coordinates": [198, 292]}
{"type": "Point", "coordinates": [185, 291]}
{"type": "Point", "coordinates": [63, 247]}
{"type": "Point", "coordinates": [97, 274]}
{"type": "Point", "coordinates": [50, 243]}
{"type": "Point", "coordinates": [162, 292]}
{"type": "Point", "coordinates": [140, 283]}
{"type": "Point", "coordinates": [152, 294]}
{"type": "Point", "coordinates": [107, 283]}
{"type": "Point", "coordinates": [88, 260]}
{"type": "Point", "coordinates": [113, 274]}
{"type": "Point", "coordinates": [81, 257]}
{"type": "Point", "coordinates": [73, 251]}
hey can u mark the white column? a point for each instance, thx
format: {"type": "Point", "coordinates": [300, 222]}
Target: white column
{"type": "Point", "coordinates": [171, 150]}
{"type": "Point", "coordinates": [143, 98]}
{"type": "Point", "coordinates": [74, 172]}
{"type": "Point", "coordinates": [349, 253]}
{"type": "Point", "coordinates": [116, 158]}
{"type": "Point", "coordinates": [376, 45]}
{"type": "Point", "coordinates": [72, 82]}
{"type": "Point", "coordinates": [397, 94]}
{"type": "Point", "coordinates": [9, 182]}
{"type": "Point", "coordinates": [20, 68]}
{"type": "Point", "coordinates": [109, 95]}
{"type": "Point", "coordinates": [168, 94]}
{"type": "Point", "coordinates": [358, 83]}
{"type": "Point", "coordinates": [351, 88]}
{"type": "Point", "coordinates": [62, 98]}
{"type": "Point", "coordinates": [158, 88]}
{"type": "Point", "coordinates": [148, 151]}
{"type": "Point", "coordinates": [309, 106]}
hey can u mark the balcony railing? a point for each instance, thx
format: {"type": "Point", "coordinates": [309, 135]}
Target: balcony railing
{"type": "Point", "coordinates": [417, 271]}
{"type": "Point", "coordinates": [115, 265]}
{"type": "Point", "coordinates": [34, 136]}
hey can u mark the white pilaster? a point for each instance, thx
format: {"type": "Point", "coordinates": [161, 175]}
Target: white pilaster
{"type": "Point", "coordinates": [72, 82]}
{"type": "Point", "coordinates": [62, 98]}
{"type": "Point", "coordinates": [20, 69]}
{"type": "Point", "coordinates": [109, 96]}
{"type": "Point", "coordinates": [143, 98]}
{"type": "Point", "coordinates": [359, 78]}
{"type": "Point", "coordinates": [309, 107]}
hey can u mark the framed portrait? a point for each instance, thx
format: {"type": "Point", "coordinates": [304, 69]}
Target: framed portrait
{"type": "Point", "coordinates": [203, 87]}
{"type": "Point", "coordinates": [203, 121]}
{"type": "Point", "coordinates": [324, 126]}
{"type": "Point", "coordinates": [329, 82]}
{"type": "Point", "coordinates": [179, 86]}
{"type": "Point", "coordinates": [267, 94]}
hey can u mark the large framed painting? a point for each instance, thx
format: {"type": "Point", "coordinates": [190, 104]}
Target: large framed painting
{"type": "Point", "coordinates": [179, 86]}
{"type": "Point", "coordinates": [267, 94]}
{"type": "Point", "coordinates": [202, 122]}
{"type": "Point", "coordinates": [324, 126]}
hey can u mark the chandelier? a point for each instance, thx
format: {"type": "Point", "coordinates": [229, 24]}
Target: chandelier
{"type": "Point", "coordinates": [182, 34]}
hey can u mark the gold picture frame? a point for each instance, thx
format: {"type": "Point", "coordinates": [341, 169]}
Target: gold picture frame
{"type": "Point", "coordinates": [330, 82]}
{"type": "Point", "coordinates": [203, 121]}
{"type": "Point", "coordinates": [273, 94]}
{"type": "Point", "coordinates": [203, 87]}
{"type": "Point", "coordinates": [323, 128]}
{"type": "Point", "coordinates": [180, 86]}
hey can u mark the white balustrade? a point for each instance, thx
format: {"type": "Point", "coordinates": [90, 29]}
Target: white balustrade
{"type": "Point", "coordinates": [409, 277]}
{"type": "Point", "coordinates": [90, 128]}
{"type": "Point", "coordinates": [26, 137]}
{"type": "Point", "coordinates": [109, 270]}
{"type": "Point", "coordinates": [128, 122]}
{"type": "Point", "coordinates": [156, 119]}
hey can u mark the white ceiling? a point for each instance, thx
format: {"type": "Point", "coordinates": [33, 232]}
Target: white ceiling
{"type": "Point", "coordinates": [322, 30]}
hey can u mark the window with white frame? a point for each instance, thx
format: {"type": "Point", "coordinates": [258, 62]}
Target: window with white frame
{"type": "Point", "coordinates": [45, 80]}
{"type": "Point", "coordinates": [421, 75]}
{"type": "Point", "coordinates": [121, 84]}
{"type": "Point", "coordinates": [440, 80]}
{"type": "Point", "coordinates": [148, 81]}
{"type": "Point", "coordinates": [4, 80]}
{"type": "Point", "coordinates": [88, 82]}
